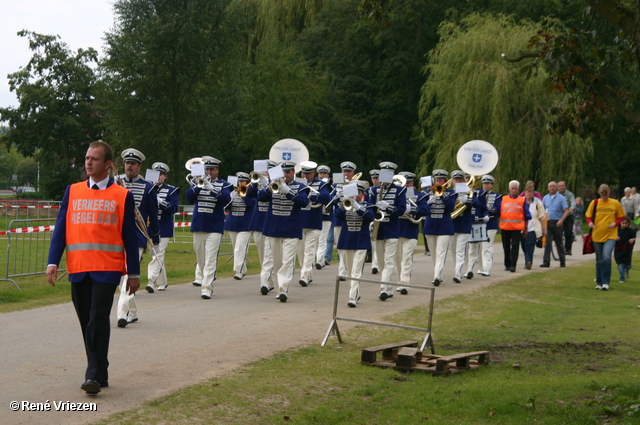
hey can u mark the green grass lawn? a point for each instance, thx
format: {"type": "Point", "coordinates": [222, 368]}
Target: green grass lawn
{"type": "Point", "coordinates": [562, 353]}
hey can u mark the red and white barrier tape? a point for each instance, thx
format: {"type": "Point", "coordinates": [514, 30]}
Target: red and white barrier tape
{"type": "Point", "coordinates": [29, 206]}
{"type": "Point", "coordinates": [29, 229]}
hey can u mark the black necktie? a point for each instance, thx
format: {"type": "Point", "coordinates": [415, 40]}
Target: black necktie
{"type": "Point", "coordinates": [95, 187]}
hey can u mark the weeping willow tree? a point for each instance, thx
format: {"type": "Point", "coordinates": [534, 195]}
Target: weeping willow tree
{"type": "Point", "coordinates": [473, 93]}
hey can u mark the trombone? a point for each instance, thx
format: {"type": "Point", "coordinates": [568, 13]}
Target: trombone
{"type": "Point", "coordinates": [439, 189]}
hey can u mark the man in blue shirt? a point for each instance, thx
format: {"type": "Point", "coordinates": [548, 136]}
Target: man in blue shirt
{"type": "Point", "coordinates": [557, 209]}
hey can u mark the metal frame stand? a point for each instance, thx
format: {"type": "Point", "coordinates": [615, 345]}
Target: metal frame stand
{"type": "Point", "coordinates": [335, 330]}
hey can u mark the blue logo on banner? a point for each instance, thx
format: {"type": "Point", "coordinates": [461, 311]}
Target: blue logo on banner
{"type": "Point", "coordinates": [477, 157]}
{"type": "Point", "coordinates": [286, 156]}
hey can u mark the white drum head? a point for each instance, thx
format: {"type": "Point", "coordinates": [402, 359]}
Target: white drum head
{"type": "Point", "coordinates": [289, 150]}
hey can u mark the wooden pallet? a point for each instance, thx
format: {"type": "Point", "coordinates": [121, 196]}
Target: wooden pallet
{"type": "Point", "coordinates": [406, 356]}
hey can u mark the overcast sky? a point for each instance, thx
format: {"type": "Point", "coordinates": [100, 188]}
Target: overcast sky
{"type": "Point", "coordinates": [79, 23]}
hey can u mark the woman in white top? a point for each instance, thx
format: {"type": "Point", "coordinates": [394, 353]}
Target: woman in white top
{"type": "Point", "coordinates": [537, 225]}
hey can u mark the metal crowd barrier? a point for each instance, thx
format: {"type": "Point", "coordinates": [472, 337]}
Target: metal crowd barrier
{"type": "Point", "coordinates": [28, 244]}
{"type": "Point", "coordinates": [14, 209]}
{"type": "Point", "coordinates": [334, 330]}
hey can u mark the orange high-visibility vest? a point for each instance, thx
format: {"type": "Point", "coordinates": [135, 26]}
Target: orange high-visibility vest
{"type": "Point", "coordinates": [94, 229]}
{"type": "Point", "coordinates": [512, 213]}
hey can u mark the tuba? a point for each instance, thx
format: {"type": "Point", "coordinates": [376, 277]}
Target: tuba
{"type": "Point", "coordinates": [472, 184]}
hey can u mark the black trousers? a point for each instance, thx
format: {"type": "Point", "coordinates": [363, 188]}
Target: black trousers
{"type": "Point", "coordinates": [567, 227]}
{"type": "Point", "coordinates": [93, 302]}
{"type": "Point", "coordinates": [511, 245]}
{"type": "Point", "coordinates": [554, 233]}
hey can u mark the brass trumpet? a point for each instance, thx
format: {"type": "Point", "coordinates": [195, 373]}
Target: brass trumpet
{"type": "Point", "coordinates": [275, 185]}
{"type": "Point", "coordinates": [439, 189]}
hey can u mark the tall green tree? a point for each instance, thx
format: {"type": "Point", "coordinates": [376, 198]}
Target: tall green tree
{"type": "Point", "coordinates": [56, 118]}
{"type": "Point", "coordinates": [161, 78]}
{"type": "Point", "coordinates": [472, 93]}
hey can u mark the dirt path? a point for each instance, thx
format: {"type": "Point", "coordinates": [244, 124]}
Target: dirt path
{"type": "Point", "coordinates": [181, 339]}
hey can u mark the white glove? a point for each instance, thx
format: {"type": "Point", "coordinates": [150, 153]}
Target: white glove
{"type": "Point", "coordinates": [208, 186]}
{"type": "Point", "coordinates": [485, 218]}
{"type": "Point", "coordinates": [339, 193]}
{"type": "Point", "coordinates": [462, 199]}
{"type": "Point", "coordinates": [234, 195]}
{"type": "Point", "coordinates": [159, 200]}
{"type": "Point", "coordinates": [432, 199]}
{"type": "Point", "coordinates": [284, 189]}
{"type": "Point", "coordinates": [263, 182]}
{"type": "Point", "coordinates": [382, 205]}
{"type": "Point", "coordinates": [356, 205]}
{"type": "Point", "coordinates": [408, 209]}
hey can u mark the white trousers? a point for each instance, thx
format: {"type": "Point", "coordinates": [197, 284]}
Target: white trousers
{"type": "Point", "coordinates": [486, 249]}
{"type": "Point", "coordinates": [156, 270]}
{"type": "Point", "coordinates": [374, 257]}
{"type": "Point", "coordinates": [206, 245]}
{"type": "Point", "coordinates": [342, 270]}
{"type": "Point", "coordinates": [307, 251]}
{"type": "Point", "coordinates": [266, 259]}
{"type": "Point", "coordinates": [322, 242]}
{"type": "Point", "coordinates": [240, 244]}
{"type": "Point", "coordinates": [284, 260]}
{"type": "Point", "coordinates": [127, 302]}
{"type": "Point", "coordinates": [439, 244]}
{"type": "Point", "coordinates": [388, 265]}
{"type": "Point", "coordinates": [404, 259]}
{"type": "Point", "coordinates": [459, 244]}
{"type": "Point", "coordinates": [354, 262]}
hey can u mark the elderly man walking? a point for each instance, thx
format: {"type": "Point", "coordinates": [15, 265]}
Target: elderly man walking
{"type": "Point", "coordinates": [557, 210]}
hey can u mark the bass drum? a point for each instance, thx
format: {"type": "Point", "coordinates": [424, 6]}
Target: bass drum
{"type": "Point", "coordinates": [289, 150]}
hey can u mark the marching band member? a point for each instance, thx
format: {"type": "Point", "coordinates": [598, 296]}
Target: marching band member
{"type": "Point", "coordinates": [462, 227]}
{"type": "Point", "coordinates": [238, 224]}
{"type": "Point", "coordinates": [311, 218]}
{"type": "Point", "coordinates": [375, 181]}
{"type": "Point", "coordinates": [489, 213]}
{"type": "Point", "coordinates": [324, 175]}
{"type": "Point", "coordinates": [283, 226]}
{"type": "Point", "coordinates": [408, 235]}
{"type": "Point", "coordinates": [355, 239]}
{"type": "Point", "coordinates": [257, 226]}
{"type": "Point", "coordinates": [207, 224]}
{"type": "Point", "coordinates": [390, 199]}
{"type": "Point", "coordinates": [438, 224]}
{"type": "Point", "coordinates": [348, 169]}
{"type": "Point", "coordinates": [167, 197]}
{"type": "Point", "coordinates": [144, 194]}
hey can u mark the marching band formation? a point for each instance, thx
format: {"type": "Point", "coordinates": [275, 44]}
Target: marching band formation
{"type": "Point", "coordinates": [303, 217]}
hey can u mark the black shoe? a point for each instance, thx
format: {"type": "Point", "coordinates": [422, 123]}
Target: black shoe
{"type": "Point", "coordinates": [544, 265]}
{"type": "Point", "coordinates": [512, 269]}
{"type": "Point", "coordinates": [404, 291]}
{"type": "Point", "coordinates": [122, 323]}
{"type": "Point", "coordinates": [507, 269]}
{"type": "Point", "coordinates": [568, 253]}
{"type": "Point", "coordinates": [457, 279]}
{"type": "Point", "coordinates": [469, 275]}
{"type": "Point", "coordinates": [374, 270]}
{"type": "Point", "coordinates": [283, 298]}
{"type": "Point", "coordinates": [318, 266]}
{"type": "Point", "coordinates": [205, 297]}
{"type": "Point", "coordinates": [527, 265]}
{"type": "Point", "coordinates": [90, 386]}
{"type": "Point", "coordinates": [264, 290]}
{"type": "Point", "coordinates": [149, 288]}
{"type": "Point", "coordinates": [562, 264]}
{"type": "Point", "coordinates": [390, 295]}
{"type": "Point", "coordinates": [383, 296]}
{"type": "Point", "coordinates": [197, 284]}
{"type": "Point", "coordinates": [327, 262]}
{"type": "Point", "coordinates": [368, 258]}
{"type": "Point", "coordinates": [351, 304]}
{"type": "Point", "coordinates": [302, 282]}
{"type": "Point", "coordinates": [342, 279]}
{"type": "Point", "coordinates": [436, 282]}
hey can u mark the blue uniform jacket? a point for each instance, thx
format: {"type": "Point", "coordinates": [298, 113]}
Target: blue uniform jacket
{"type": "Point", "coordinates": [144, 194]}
{"type": "Point", "coordinates": [167, 207]}
{"type": "Point", "coordinates": [355, 233]}
{"type": "Point", "coordinates": [437, 216]}
{"type": "Point", "coordinates": [491, 204]}
{"type": "Point", "coordinates": [283, 217]}
{"type": "Point", "coordinates": [408, 229]}
{"type": "Point", "coordinates": [240, 214]}
{"type": "Point", "coordinates": [312, 217]}
{"type": "Point", "coordinates": [462, 223]}
{"type": "Point", "coordinates": [259, 212]}
{"type": "Point", "coordinates": [389, 227]}
{"type": "Point", "coordinates": [59, 243]}
{"type": "Point", "coordinates": [208, 212]}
